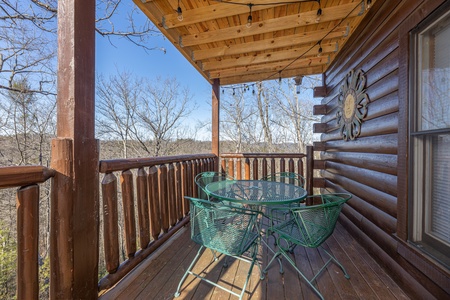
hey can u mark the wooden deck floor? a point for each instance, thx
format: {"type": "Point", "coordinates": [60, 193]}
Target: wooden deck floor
{"type": "Point", "coordinates": [158, 277]}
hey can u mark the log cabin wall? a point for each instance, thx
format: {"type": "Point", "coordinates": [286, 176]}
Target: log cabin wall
{"type": "Point", "coordinates": [373, 167]}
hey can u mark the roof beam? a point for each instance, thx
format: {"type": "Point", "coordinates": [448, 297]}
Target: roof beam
{"type": "Point", "coordinates": [264, 58]}
{"type": "Point", "coordinates": [273, 43]}
{"type": "Point", "coordinates": [209, 13]}
{"type": "Point", "coordinates": [238, 79]}
{"type": "Point", "coordinates": [271, 67]}
{"type": "Point", "coordinates": [276, 24]}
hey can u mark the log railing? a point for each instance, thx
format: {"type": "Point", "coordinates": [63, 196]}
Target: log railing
{"type": "Point", "coordinates": [156, 188]}
{"type": "Point", "coordinates": [27, 179]}
{"type": "Point", "coordinates": [258, 165]}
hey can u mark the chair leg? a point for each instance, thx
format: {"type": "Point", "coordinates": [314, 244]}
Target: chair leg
{"type": "Point", "coordinates": [188, 271]}
{"type": "Point", "coordinates": [285, 254]}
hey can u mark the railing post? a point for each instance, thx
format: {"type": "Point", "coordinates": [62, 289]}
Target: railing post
{"type": "Point", "coordinates": [27, 242]}
{"type": "Point", "coordinates": [61, 231]}
{"type": "Point", "coordinates": [309, 169]}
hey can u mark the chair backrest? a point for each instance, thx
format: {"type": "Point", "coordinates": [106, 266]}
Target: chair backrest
{"type": "Point", "coordinates": [229, 230]}
{"type": "Point", "coordinates": [286, 177]}
{"type": "Point", "coordinates": [205, 178]}
{"type": "Point", "coordinates": [316, 223]}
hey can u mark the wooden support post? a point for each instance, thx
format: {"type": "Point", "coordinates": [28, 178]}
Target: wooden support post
{"type": "Point", "coordinates": [27, 242]}
{"type": "Point", "coordinates": [75, 122]}
{"type": "Point", "coordinates": [215, 119]}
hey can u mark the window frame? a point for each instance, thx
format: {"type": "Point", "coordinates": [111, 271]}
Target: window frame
{"type": "Point", "coordinates": [420, 158]}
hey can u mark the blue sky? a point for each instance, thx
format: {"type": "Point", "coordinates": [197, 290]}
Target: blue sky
{"type": "Point", "coordinates": [125, 56]}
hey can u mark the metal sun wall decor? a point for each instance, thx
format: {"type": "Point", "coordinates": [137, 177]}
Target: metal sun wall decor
{"type": "Point", "coordinates": [353, 102]}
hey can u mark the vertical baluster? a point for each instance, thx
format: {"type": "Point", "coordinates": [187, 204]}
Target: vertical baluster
{"type": "Point", "coordinates": [192, 190]}
{"type": "Point", "coordinates": [110, 222]}
{"type": "Point", "coordinates": [27, 204]}
{"type": "Point", "coordinates": [238, 169]}
{"type": "Point", "coordinates": [143, 210]}
{"type": "Point", "coordinates": [185, 186]}
{"type": "Point", "coordinates": [162, 174]}
{"type": "Point", "coordinates": [224, 166]}
{"type": "Point", "coordinates": [128, 211]}
{"type": "Point", "coordinates": [273, 167]}
{"type": "Point", "coordinates": [193, 172]}
{"type": "Point", "coordinates": [264, 167]}
{"type": "Point", "coordinates": [291, 165]}
{"type": "Point", "coordinates": [231, 167]}
{"type": "Point", "coordinates": [247, 168]}
{"type": "Point", "coordinates": [179, 191]}
{"type": "Point", "coordinates": [171, 195]}
{"type": "Point", "coordinates": [255, 169]}
{"type": "Point", "coordinates": [300, 167]}
{"type": "Point", "coordinates": [282, 165]}
{"type": "Point", "coordinates": [155, 214]}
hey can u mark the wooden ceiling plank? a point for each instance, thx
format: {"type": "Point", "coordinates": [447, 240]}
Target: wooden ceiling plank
{"type": "Point", "coordinates": [275, 24]}
{"type": "Point", "coordinates": [262, 58]}
{"type": "Point", "coordinates": [271, 75]}
{"type": "Point", "coordinates": [281, 42]}
{"type": "Point", "coordinates": [270, 67]}
{"type": "Point", "coordinates": [208, 13]}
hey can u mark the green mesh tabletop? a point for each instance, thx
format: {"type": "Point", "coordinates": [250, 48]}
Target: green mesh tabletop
{"type": "Point", "coordinates": [256, 192]}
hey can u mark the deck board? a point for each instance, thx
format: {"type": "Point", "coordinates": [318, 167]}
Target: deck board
{"type": "Point", "coordinates": [157, 278]}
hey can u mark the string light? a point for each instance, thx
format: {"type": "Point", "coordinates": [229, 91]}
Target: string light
{"type": "Point", "coordinates": [369, 4]}
{"type": "Point", "coordinates": [250, 18]}
{"type": "Point", "coordinates": [319, 12]}
{"type": "Point", "coordinates": [298, 82]}
{"type": "Point", "coordinates": [320, 50]}
{"type": "Point", "coordinates": [179, 12]}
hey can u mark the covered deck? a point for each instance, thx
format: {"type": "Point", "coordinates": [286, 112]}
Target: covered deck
{"type": "Point", "coordinates": [158, 276]}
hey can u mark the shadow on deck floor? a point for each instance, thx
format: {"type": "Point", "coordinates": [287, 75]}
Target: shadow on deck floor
{"type": "Point", "coordinates": [158, 276]}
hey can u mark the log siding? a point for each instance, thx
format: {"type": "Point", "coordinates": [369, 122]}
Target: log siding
{"type": "Point", "coordinates": [374, 166]}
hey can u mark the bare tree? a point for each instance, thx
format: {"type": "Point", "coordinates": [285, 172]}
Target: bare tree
{"type": "Point", "coordinates": [28, 39]}
{"type": "Point", "coordinates": [161, 110]}
{"type": "Point", "coordinates": [239, 119]}
{"type": "Point", "coordinates": [117, 98]}
{"type": "Point", "coordinates": [293, 114]}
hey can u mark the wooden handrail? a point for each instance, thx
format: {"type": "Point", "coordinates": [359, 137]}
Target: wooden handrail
{"type": "Point", "coordinates": [262, 155]}
{"type": "Point", "coordinates": [113, 165]}
{"type": "Point", "coordinates": [17, 176]}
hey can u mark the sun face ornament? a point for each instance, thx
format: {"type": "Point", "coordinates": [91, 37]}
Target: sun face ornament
{"type": "Point", "coordinates": [353, 102]}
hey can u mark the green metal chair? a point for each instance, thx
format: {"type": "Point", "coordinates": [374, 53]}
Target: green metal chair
{"type": "Point", "coordinates": [233, 234]}
{"type": "Point", "coordinates": [309, 226]}
{"type": "Point", "coordinates": [205, 178]}
{"type": "Point", "coordinates": [288, 178]}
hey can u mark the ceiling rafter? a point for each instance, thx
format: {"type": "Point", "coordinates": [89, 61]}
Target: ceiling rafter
{"type": "Point", "coordinates": [276, 24]}
{"type": "Point", "coordinates": [263, 58]}
{"type": "Point", "coordinates": [301, 38]}
{"type": "Point", "coordinates": [274, 67]}
{"type": "Point", "coordinates": [283, 40]}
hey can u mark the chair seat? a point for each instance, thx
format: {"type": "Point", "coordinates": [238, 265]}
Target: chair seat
{"type": "Point", "coordinates": [298, 235]}
{"type": "Point", "coordinates": [229, 242]}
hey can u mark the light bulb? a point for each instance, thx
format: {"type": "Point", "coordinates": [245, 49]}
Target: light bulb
{"type": "Point", "coordinates": [369, 4]}
{"type": "Point", "coordinates": [249, 21]}
{"type": "Point", "coordinates": [319, 13]}
{"type": "Point", "coordinates": [180, 14]}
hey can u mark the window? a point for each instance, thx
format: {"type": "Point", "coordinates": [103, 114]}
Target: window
{"type": "Point", "coordinates": [430, 138]}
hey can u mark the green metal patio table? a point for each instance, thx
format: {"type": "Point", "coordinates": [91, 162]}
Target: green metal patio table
{"type": "Point", "coordinates": [256, 193]}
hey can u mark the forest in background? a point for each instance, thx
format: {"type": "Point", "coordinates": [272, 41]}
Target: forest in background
{"type": "Point", "coordinates": [135, 116]}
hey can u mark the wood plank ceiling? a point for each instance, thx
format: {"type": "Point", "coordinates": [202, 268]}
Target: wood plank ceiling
{"type": "Point", "coordinates": [284, 38]}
